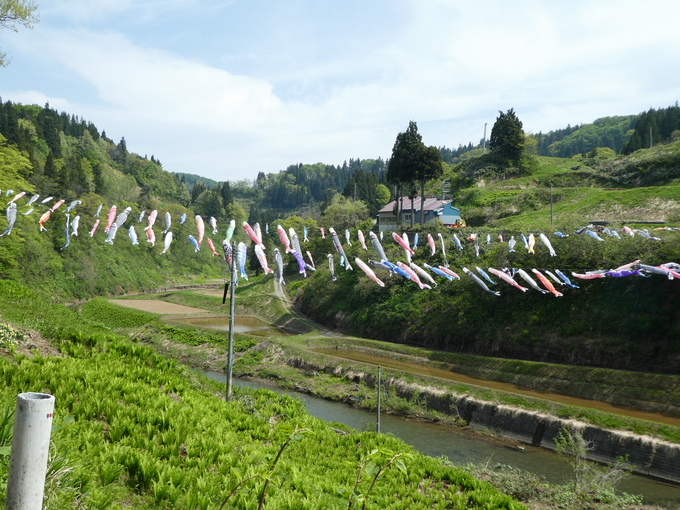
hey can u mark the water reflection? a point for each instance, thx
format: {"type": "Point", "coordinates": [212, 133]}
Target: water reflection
{"type": "Point", "coordinates": [459, 446]}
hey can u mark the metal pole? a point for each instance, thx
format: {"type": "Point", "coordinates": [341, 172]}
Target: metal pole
{"type": "Point", "coordinates": [551, 207]}
{"type": "Point", "coordinates": [232, 292]}
{"type": "Point", "coordinates": [30, 450]}
{"type": "Point", "coordinates": [377, 429]}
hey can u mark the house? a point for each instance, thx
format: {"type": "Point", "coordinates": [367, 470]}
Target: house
{"type": "Point", "coordinates": [450, 216]}
{"type": "Point", "coordinates": [433, 209]}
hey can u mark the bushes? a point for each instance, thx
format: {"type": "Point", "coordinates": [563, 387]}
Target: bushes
{"type": "Point", "coordinates": [614, 322]}
{"type": "Point", "coordinates": [9, 336]}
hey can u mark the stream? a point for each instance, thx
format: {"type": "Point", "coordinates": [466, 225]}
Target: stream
{"type": "Point", "coordinates": [461, 446]}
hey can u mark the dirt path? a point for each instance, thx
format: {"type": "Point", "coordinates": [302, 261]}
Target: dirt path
{"type": "Point", "coordinates": [157, 306]}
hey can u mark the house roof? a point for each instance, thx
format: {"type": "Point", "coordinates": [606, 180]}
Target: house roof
{"type": "Point", "coordinates": [430, 204]}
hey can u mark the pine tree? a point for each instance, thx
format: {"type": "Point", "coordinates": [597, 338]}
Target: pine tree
{"type": "Point", "coordinates": [412, 162]}
{"type": "Point", "coordinates": [400, 168]}
{"type": "Point", "coordinates": [197, 190]}
{"type": "Point", "coordinates": [507, 138]}
{"type": "Point", "coordinates": [429, 167]}
{"type": "Point", "coordinates": [47, 121]}
{"type": "Point", "coordinates": [98, 178]}
{"type": "Point", "coordinates": [50, 169]}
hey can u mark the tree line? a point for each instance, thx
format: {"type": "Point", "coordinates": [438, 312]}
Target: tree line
{"type": "Point", "coordinates": [623, 134]}
{"type": "Point", "coordinates": [653, 127]}
{"type": "Point", "coordinates": [69, 156]}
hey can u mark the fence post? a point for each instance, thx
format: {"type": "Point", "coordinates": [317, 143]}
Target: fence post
{"type": "Point", "coordinates": [30, 450]}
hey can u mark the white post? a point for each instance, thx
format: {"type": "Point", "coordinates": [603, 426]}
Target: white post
{"type": "Point", "coordinates": [30, 449]}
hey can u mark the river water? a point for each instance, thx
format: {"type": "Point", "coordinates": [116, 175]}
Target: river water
{"type": "Point", "coordinates": [242, 324]}
{"type": "Point", "coordinates": [461, 446]}
{"type": "Point", "coordinates": [507, 387]}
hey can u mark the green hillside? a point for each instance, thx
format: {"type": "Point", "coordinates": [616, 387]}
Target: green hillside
{"type": "Point", "coordinates": [131, 428]}
{"type": "Point", "coordinates": [642, 187]}
{"type": "Point", "coordinates": [135, 430]}
{"type": "Point", "coordinates": [138, 430]}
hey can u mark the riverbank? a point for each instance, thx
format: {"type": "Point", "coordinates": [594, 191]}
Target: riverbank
{"type": "Point", "coordinates": [514, 468]}
{"type": "Point", "coordinates": [291, 362]}
{"type": "Point", "coordinates": [425, 397]}
{"type": "Point", "coordinates": [490, 413]}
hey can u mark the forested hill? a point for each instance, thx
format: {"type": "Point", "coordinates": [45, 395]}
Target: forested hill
{"type": "Point", "coordinates": [63, 155]}
{"type": "Point", "coordinates": [63, 158]}
{"type": "Point", "coordinates": [623, 134]}
{"type": "Point", "coordinates": [69, 156]}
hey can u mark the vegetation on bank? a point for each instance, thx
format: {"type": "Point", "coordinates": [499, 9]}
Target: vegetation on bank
{"type": "Point", "coordinates": [337, 380]}
{"type": "Point", "coordinates": [135, 462]}
{"type": "Point", "coordinates": [625, 323]}
{"type": "Point", "coordinates": [134, 428]}
{"type": "Point", "coordinates": [293, 362]}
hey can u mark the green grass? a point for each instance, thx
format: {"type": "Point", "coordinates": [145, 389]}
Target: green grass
{"type": "Point", "coordinates": [641, 187]}
{"type": "Point", "coordinates": [577, 206]}
{"type": "Point", "coordinates": [136, 429]}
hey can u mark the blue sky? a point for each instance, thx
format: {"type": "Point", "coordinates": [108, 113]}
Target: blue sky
{"type": "Point", "coordinates": [226, 89]}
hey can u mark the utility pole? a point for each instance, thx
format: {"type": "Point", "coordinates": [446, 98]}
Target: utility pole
{"type": "Point", "coordinates": [551, 205]}
{"type": "Point", "coordinates": [446, 188]}
{"type": "Point", "coordinates": [232, 294]}
{"type": "Point", "coordinates": [484, 140]}
{"type": "Point", "coordinates": [377, 428]}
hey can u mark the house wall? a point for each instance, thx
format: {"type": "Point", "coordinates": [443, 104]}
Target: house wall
{"type": "Point", "coordinates": [388, 221]}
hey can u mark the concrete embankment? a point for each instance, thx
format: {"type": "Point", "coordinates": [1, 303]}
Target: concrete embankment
{"type": "Point", "coordinates": [649, 456]}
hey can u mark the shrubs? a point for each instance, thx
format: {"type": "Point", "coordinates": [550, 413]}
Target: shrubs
{"type": "Point", "coordinates": [622, 323]}
{"type": "Point", "coordinates": [590, 479]}
{"type": "Point", "coordinates": [143, 432]}
{"type": "Point", "coordinates": [132, 428]}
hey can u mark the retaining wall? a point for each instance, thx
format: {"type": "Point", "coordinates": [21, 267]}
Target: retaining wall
{"type": "Point", "coordinates": [649, 456]}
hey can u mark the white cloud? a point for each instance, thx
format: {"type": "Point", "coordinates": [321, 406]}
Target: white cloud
{"type": "Point", "coordinates": [257, 86]}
